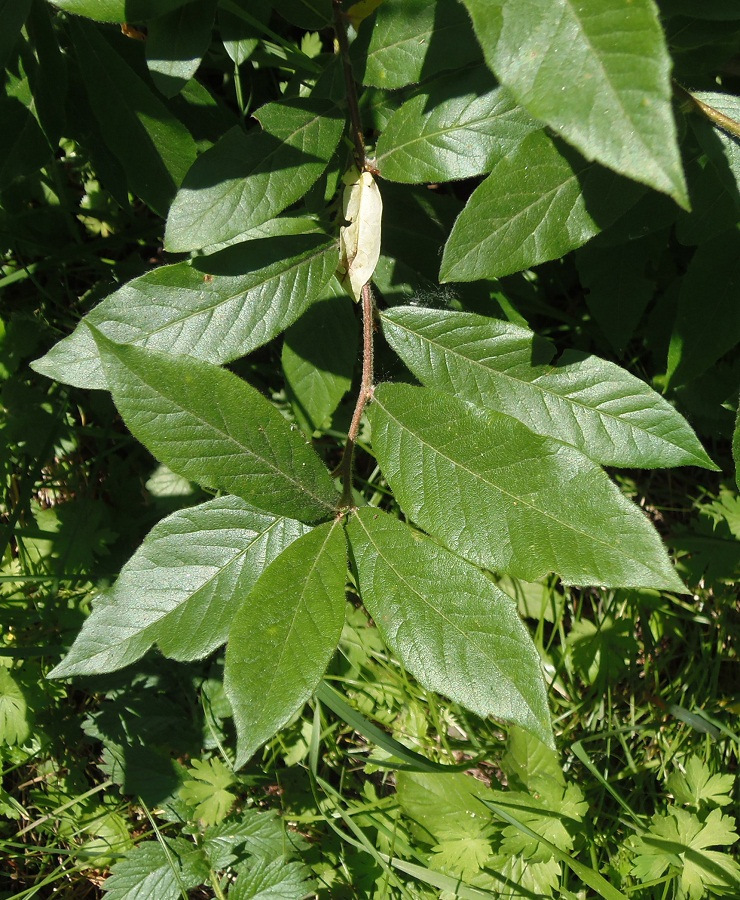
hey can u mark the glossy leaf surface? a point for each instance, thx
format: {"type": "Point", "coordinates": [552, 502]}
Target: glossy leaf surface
{"type": "Point", "coordinates": [619, 111]}
{"type": "Point", "coordinates": [539, 202]}
{"type": "Point", "coordinates": [457, 128]}
{"type": "Point", "coordinates": [182, 587]}
{"type": "Point", "coordinates": [246, 179]}
{"type": "Point", "coordinates": [595, 405]}
{"type": "Point", "coordinates": [205, 312]}
{"type": "Point", "coordinates": [284, 635]}
{"type": "Point", "coordinates": [508, 499]}
{"type": "Point", "coordinates": [449, 625]}
{"type": "Point", "coordinates": [213, 428]}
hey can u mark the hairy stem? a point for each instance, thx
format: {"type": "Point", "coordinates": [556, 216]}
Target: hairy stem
{"type": "Point", "coordinates": [340, 29]}
{"type": "Point", "coordinates": [717, 118]}
{"type": "Point", "coordinates": [344, 469]}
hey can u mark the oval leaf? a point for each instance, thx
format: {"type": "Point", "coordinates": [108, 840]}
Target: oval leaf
{"type": "Point", "coordinates": [449, 625]}
{"type": "Point", "coordinates": [246, 179]}
{"type": "Point", "coordinates": [359, 239]}
{"type": "Point", "coordinates": [508, 499]}
{"type": "Point", "coordinates": [594, 405]}
{"type": "Point", "coordinates": [176, 43]}
{"type": "Point", "coordinates": [181, 588]}
{"type": "Point", "coordinates": [214, 317]}
{"type": "Point", "coordinates": [538, 203]}
{"type": "Point", "coordinates": [620, 111]}
{"type": "Point", "coordinates": [211, 427]}
{"type": "Point", "coordinates": [456, 128]}
{"type": "Point", "coordinates": [284, 635]}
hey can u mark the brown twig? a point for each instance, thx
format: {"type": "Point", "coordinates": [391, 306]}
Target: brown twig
{"type": "Point", "coordinates": [349, 85]}
{"type": "Point", "coordinates": [717, 118]}
{"type": "Point", "coordinates": [344, 469]}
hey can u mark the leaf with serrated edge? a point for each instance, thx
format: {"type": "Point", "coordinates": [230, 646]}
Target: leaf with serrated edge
{"type": "Point", "coordinates": [538, 203]}
{"type": "Point", "coordinates": [157, 870]}
{"type": "Point", "coordinates": [454, 128]}
{"type": "Point", "coordinates": [246, 179]}
{"type": "Point", "coordinates": [598, 407]}
{"type": "Point", "coordinates": [283, 637]}
{"type": "Point", "coordinates": [619, 113]}
{"type": "Point", "coordinates": [508, 499]}
{"type": "Point", "coordinates": [182, 309]}
{"type": "Point", "coordinates": [213, 428]}
{"type": "Point", "coordinates": [181, 588]}
{"type": "Point", "coordinates": [451, 627]}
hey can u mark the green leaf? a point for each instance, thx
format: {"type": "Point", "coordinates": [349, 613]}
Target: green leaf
{"type": "Point", "coordinates": [620, 282]}
{"type": "Point", "coordinates": [318, 360]}
{"type": "Point", "coordinates": [508, 499]}
{"type": "Point", "coordinates": [211, 427]}
{"type": "Point", "coordinates": [261, 835]}
{"type": "Point", "coordinates": [275, 880]}
{"type": "Point", "coordinates": [454, 128]}
{"type": "Point", "coordinates": [181, 588]}
{"type": "Point", "coordinates": [241, 36]}
{"type": "Point", "coordinates": [696, 785]}
{"type": "Point", "coordinates": [451, 627]}
{"type": "Point", "coordinates": [118, 10]}
{"type": "Point", "coordinates": [308, 14]}
{"type": "Point", "coordinates": [284, 635]}
{"type": "Point", "coordinates": [407, 40]}
{"type": "Point", "coordinates": [206, 790]}
{"type": "Point", "coordinates": [246, 179]}
{"type": "Point", "coordinates": [12, 14]}
{"type": "Point", "coordinates": [157, 871]}
{"type": "Point", "coordinates": [620, 112]}
{"type": "Point", "coordinates": [539, 202]}
{"type": "Point", "coordinates": [679, 841]}
{"type": "Point", "coordinates": [260, 287]}
{"type": "Point", "coordinates": [594, 405]}
{"type": "Point", "coordinates": [154, 148]}
{"type": "Point", "coordinates": [15, 727]}
{"type": "Point", "coordinates": [24, 148]}
{"type": "Point", "coordinates": [176, 43]}
{"type": "Point", "coordinates": [708, 319]}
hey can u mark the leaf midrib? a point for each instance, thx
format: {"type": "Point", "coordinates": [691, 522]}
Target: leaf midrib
{"type": "Point", "coordinates": [476, 476]}
{"type": "Point", "coordinates": [439, 612]}
{"type": "Point", "coordinates": [538, 387]}
{"type": "Point", "coordinates": [205, 310]}
{"type": "Point", "coordinates": [231, 439]}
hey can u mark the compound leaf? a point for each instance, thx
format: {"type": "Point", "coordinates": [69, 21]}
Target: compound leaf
{"type": "Point", "coordinates": [595, 405]}
{"type": "Point", "coordinates": [246, 179]}
{"type": "Point", "coordinates": [213, 428]}
{"type": "Point", "coordinates": [182, 309]}
{"type": "Point", "coordinates": [283, 636]}
{"type": "Point", "coordinates": [539, 202]}
{"type": "Point", "coordinates": [182, 587]}
{"type": "Point", "coordinates": [449, 625]}
{"type": "Point", "coordinates": [508, 499]}
{"type": "Point", "coordinates": [620, 112]}
{"type": "Point", "coordinates": [455, 128]}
